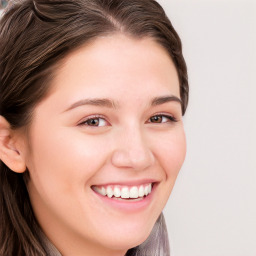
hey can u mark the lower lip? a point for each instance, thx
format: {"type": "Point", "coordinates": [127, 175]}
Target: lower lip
{"type": "Point", "coordinates": [128, 205]}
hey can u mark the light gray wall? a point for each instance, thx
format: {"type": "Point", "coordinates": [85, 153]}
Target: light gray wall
{"type": "Point", "coordinates": [212, 210]}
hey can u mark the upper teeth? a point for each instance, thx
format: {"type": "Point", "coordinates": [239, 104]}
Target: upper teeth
{"type": "Point", "coordinates": [124, 191]}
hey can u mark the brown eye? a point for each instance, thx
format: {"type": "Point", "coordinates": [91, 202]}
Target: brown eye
{"type": "Point", "coordinates": [93, 122]}
{"type": "Point", "coordinates": [156, 119]}
{"type": "Point", "coordinates": [159, 119]}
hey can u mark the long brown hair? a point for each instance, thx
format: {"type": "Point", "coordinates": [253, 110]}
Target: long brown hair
{"type": "Point", "coordinates": [34, 36]}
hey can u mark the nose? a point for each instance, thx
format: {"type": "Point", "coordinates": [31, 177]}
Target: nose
{"type": "Point", "coordinates": [132, 151]}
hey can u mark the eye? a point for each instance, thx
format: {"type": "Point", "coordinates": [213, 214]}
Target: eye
{"type": "Point", "coordinates": [95, 122]}
{"type": "Point", "coordinates": [159, 119]}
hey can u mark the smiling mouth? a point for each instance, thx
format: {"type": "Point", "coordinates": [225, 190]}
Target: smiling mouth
{"type": "Point", "coordinates": [120, 192]}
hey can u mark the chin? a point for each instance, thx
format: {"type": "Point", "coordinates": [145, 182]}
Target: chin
{"type": "Point", "coordinates": [126, 239]}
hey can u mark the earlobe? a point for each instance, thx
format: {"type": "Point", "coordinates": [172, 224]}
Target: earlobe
{"type": "Point", "coordinates": [8, 151]}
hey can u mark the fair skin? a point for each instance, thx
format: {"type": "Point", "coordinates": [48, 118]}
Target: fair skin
{"type": "Point", "coordinates": [126, 139]}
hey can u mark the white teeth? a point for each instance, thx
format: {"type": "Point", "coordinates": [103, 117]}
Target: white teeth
{"type": "Point", "coordinates": [124, 192]}
{"type": "Point", "coordinates": [146, 190]}
{"type": "Point", "coordinates": [117, 192]}
{"type": "Point", "coordinates": [134, 192]}
{"type": "Point", "coordinates": [149, 188]}
{"type": "Point", "coordinates": [103, 191]}
{"type": "Point", "coordinates": [97, 190]}
{"type": "Point", "coordinates": [141, 191]}
{"type": "Point", "coordinates": [109, 192]}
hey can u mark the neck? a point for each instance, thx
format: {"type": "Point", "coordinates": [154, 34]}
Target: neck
{"type": "Point", "coordinates": [71, 248]}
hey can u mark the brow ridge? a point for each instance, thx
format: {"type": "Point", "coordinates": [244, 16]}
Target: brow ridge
{"type": "Point", "coordinates": [104, 102]}
{"type": "Point", "coordinates": [94, 102]}
{"type": "Point", "coordinates": [165, 99]}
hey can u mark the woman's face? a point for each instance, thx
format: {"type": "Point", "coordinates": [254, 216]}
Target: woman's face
{"type": "Point", "coordinates": [112, 123]}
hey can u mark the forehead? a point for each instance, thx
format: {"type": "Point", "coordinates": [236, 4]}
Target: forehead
{"type": "Point", "coordinates": [116, 66]}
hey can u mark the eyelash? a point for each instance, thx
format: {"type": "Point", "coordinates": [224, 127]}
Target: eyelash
{"type": "Point", "coordinates": [85, 122]}
{"type": "Point", "coordinates": [171, 118]}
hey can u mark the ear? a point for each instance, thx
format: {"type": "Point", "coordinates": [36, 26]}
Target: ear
{"type": "Point", "coordinates": [8, 148]}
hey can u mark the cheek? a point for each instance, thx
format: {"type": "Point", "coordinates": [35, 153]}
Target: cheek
{"type": "Point", "coordinates": [61, 168]}
{"type": "Point", "coordinates": [172, 155]}
{"type": "Point", "coordinates": [63, 161]}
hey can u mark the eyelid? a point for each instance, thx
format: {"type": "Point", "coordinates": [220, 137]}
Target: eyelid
{"type": "Point", "coordinates": [84, 120]}
{"type": "Point", "coordinates": [171, 117]}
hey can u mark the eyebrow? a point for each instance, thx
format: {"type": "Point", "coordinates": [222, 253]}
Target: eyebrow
{"type": "Point", "coordinates": [112, 104]}
{"type": "Point", "coordinates": [164, 99]}
{"type": "Point", "coordinates": [93, 102]}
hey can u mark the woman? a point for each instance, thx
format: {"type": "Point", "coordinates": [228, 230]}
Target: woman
{"type": "Point", "coordinates": [91, 102]}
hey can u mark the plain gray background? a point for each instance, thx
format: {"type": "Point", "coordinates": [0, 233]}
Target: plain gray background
{"type": "Point", "coordinates": [212, 210]}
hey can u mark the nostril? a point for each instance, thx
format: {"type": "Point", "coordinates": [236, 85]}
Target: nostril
{"type": "Point", "coordinates": [142, 159]}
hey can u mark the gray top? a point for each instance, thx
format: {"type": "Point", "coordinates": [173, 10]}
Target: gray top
{"type": "Point", "coordinates": [50, 249]}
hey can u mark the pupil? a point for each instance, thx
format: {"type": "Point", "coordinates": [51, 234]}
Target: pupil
{"type": "Point", "coordinates": [94, 122]}
{"type": "Point", "coordinates": [156, 119]}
